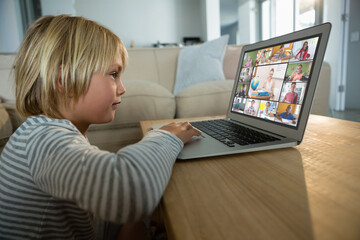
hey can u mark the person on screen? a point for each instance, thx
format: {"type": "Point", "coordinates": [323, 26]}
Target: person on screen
{"type": "Point", "coordinates": [303, 52]}
{"type": "Point", "coordinates": [280, 55]}
{"type": "Point", "coordinates": [292, 96]}
{"type": "Point", "coordinates": [251, 109]}
{"type": "Point", "coordinates": [247, 76]}
{"type": "Point", "coordinates": [297, 74]}
{"type": "Point", "coordinates": [248, 63]}
{"type": "Point", "coordinates": [237, 104]}
{"type": "Point", "coordinates": [266, 111]}
{"type": "Point", "coordinates": [263, 57]}
{"type": "Point", "coordinates": [268, 85]}
{"type": "Point", "coordinates": [242, 93]}
{"type": "Point", "coordinates": [287, 115]}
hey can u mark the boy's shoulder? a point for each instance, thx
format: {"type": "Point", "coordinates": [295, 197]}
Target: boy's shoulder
{"type": "Point", "coordinates": [44, 123]}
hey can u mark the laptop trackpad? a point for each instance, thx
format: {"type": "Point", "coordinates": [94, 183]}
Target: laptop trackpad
{"type": "Point", "coordinates": [202, 146]}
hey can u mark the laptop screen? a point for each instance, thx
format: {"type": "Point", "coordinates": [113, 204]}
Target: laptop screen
{"type": "Point", "coordinates": [273, 80]}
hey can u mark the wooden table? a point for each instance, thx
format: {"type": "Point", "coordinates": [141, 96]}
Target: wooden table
{"type": "Point", "coordinates": [311, 191]}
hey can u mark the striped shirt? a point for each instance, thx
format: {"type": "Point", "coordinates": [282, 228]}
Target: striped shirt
{"type": "Point", "coordinates": [52, 181]}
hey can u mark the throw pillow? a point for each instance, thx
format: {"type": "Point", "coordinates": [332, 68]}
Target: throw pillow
{"type": "Point", "coordinates": [200, 63]}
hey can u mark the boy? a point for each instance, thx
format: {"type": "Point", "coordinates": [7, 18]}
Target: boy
{"type": "Point", "coordinates": [52, 181]}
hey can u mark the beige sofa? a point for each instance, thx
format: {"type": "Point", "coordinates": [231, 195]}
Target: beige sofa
{"type": "Point", "coordinates": [149, 79]}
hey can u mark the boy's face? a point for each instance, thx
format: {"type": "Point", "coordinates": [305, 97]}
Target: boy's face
{"type": "Point", "coordinates": [293, 87]}
{"type": "Point", "coordinates": [281, 50]}
{"type": "Point", "coordinates": [288, 109]}
{"type": "Point", "coordinates": [98, 105]}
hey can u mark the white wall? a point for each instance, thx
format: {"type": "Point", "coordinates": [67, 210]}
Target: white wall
{"type": "Point", "coordinates": [145, 22]}
{"type": "Point", "coordinates": [244, 22]}
{"type": "Point", "coordinates": [332, 14]}
{"type": "Point", "coordinates": [212, 11]}
{"type": "Point", "coordinates": [247, 21]}
{"type": "Point", "coordinates": [138, 21]}
{"type": "Point", "coordinates": [56, 7]}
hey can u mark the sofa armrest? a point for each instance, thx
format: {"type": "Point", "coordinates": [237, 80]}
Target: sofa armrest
{"type": "Point", "coordinates": [15, 118]}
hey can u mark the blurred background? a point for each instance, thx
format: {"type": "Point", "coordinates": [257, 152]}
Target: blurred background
{"type": "Point", "coordinates": [166, 23]}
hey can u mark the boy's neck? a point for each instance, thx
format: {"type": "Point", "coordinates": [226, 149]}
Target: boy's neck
{"type": "Point", "coordinates": [66, 114]}
{"type": "Point", "coordinates": [83, 128]}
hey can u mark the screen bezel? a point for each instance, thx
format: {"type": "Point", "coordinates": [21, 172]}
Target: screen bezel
{"type": "Point", "coordinates": [322, 31]}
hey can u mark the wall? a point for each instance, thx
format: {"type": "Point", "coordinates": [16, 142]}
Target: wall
{"type": "Point", "coordinates": [212, 9]}
{"type": "Point", "coordinates": [332, 14]}
{"type": "Point", "coordinates": [145, 22]}
{"type": "Point", "coordinates": [9, 26]}
{"type": "Point", "coordinates": [138, 21]}
{"type": "Point", "coordinates": [353, 53]}
{"type": "Point", "coordinates": [247, 24]}
{"type": "Point", "coordinates": [244, 22]}
{"type": "Point", "coordinates": [55, 7]}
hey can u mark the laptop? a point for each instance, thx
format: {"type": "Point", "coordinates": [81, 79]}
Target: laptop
{"type": "Point", "coordinates": [271, 98]}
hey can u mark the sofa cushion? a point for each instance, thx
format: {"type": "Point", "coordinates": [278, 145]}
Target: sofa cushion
{"type": "Point", "coordinates": [200, 63]}
{"type": "Point", "coordinates": [204, 99]}
{"type": "Point", "coordinates": [156, 65]}
{"type": "Point", "coordinates": [5, 126]}
{"type": "Point", "coordinates": [143, 100]}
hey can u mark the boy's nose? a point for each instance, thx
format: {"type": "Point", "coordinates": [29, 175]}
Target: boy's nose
{"type": "Point", "coordinates": [120, 88]}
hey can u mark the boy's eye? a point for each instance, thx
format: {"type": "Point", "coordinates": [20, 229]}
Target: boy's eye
{"type": "Point", "coordinates": [114, 75]}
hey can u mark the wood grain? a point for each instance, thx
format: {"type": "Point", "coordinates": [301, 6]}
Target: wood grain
{"type": "Point", "coordinates": [311, 191]}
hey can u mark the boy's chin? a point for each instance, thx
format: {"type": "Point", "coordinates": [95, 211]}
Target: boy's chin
{"type": "Point", "coordinates": [106, 119]}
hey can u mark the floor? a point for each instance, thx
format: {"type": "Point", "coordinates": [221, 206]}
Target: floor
{"type": "Point", "coordinates": [349, 114]}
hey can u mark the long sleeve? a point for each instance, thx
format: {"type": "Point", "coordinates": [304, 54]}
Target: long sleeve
{"type": "Point", "coordinates": [119, 187]}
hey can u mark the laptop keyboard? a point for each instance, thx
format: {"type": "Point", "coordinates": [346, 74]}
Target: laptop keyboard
{"type": "Point", "coordinates": [230, 133]}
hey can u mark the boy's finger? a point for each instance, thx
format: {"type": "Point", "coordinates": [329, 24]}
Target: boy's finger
{"type": "Point", "coordinates": [196, 131]}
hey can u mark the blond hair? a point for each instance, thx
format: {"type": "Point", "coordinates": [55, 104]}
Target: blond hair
{"type": "Point", "coordinates": [65, 47]}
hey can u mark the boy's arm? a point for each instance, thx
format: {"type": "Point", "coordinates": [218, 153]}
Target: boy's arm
{"type": "Point", "coordinates": [120, 187]}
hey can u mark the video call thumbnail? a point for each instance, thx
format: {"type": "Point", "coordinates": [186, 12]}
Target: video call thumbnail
{"type": "Point", "coordinates": [267, 81]}
{"type": "Point", "coordinates": [298, 72]}
{"type": "Point", "coordinates": [267, 110]}
{"type": "Point", "coordinates": [273, 81]}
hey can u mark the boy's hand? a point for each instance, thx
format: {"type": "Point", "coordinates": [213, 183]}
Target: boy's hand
{"type": "Point", "coordinates": [183, 130]}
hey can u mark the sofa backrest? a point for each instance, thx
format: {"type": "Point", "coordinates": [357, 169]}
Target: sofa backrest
{"type": "Point", "coordinates": [6, 128]}
{"type": "Point", "coordinates": [6, 79]}
{"type": "Point", "coordinates": [159, 64]}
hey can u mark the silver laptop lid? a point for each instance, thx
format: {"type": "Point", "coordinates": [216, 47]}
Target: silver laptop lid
{"type": "Point", "coordinates": [276, 81]}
